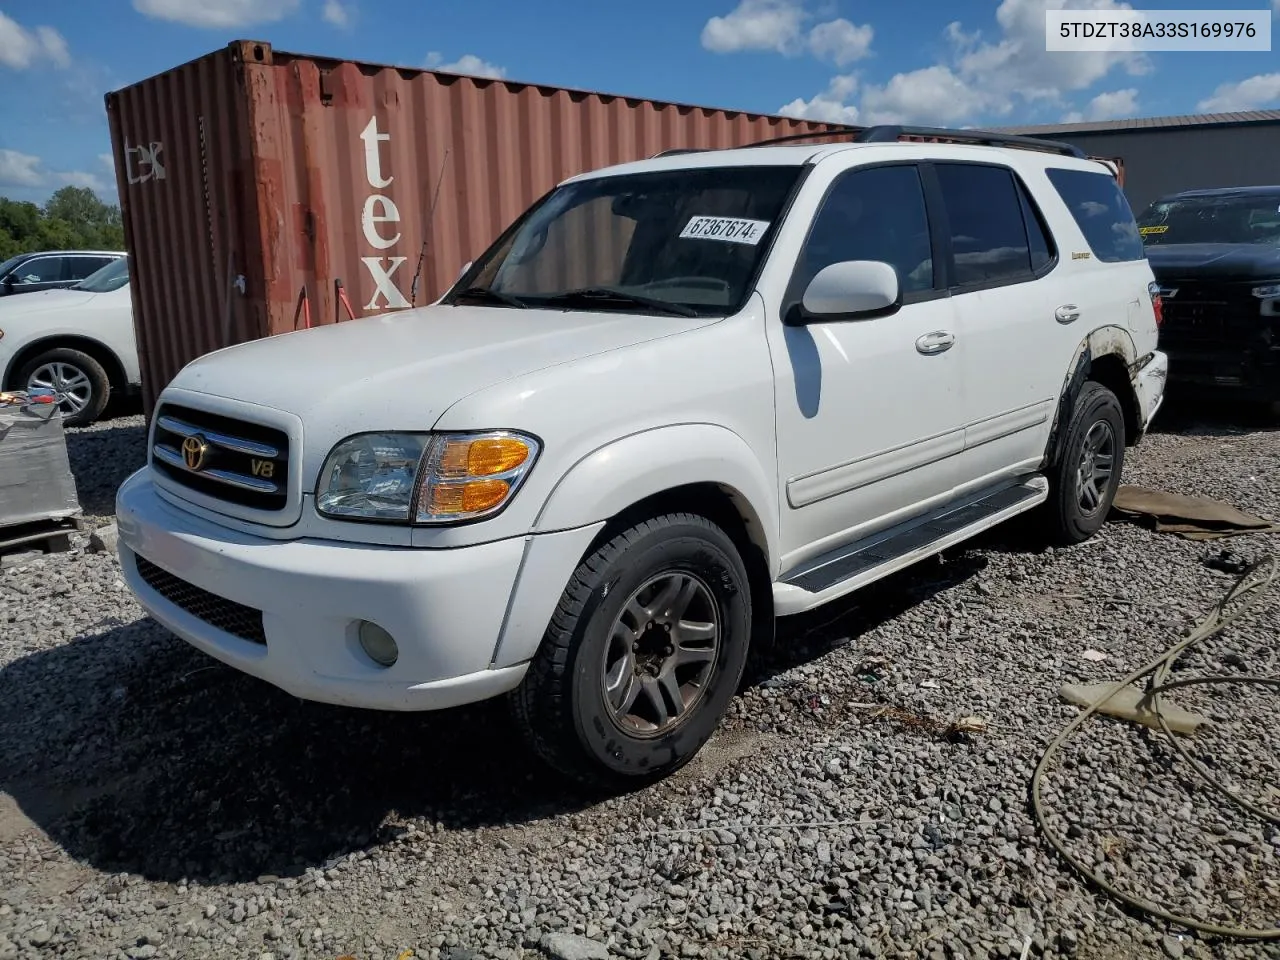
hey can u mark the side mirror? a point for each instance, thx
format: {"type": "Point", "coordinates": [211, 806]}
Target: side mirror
{"type": "Point", "coordinates": [8, 283]}
{"type": "Point", "coordinates": [850, 290]}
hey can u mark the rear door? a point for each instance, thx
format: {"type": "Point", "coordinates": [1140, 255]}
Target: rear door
{"type": "Point", "coordinates": [80, 266]}
{"type": "Point", "coordinates": [1005, 293]}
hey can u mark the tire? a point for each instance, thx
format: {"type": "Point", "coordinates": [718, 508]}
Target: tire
{"type": "Point", "coordinates": [562, 706]}
{"type": "Point", "coordinates": [90, 387]}
{"type": "Point", "coordinates": [1075, 514]}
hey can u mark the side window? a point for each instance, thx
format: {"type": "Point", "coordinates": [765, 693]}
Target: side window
{"type": "Point", "coordinates": [1042, 248]}
{"type": "Point", "coordinates": [1102, 213]}
{"type": "Point", "coordinates": [988, 233]}
{"type": "Point", "coordinates": [80, 267]}
{"type": "Point", "coordinates": [39, 270]}
{"type": "Point", "coordinates": [873, 214]}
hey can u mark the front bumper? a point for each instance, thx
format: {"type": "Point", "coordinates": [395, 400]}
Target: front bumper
{"type": "Point", "coordinates": [444, 607]}
{"type": "Point", "coordinates": [1254, 374]}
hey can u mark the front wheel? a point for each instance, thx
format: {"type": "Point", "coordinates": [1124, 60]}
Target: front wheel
{"type": "Point", "coordinates": [642, 656]}
{"type": "Point", "coordinates": [1085, 479]}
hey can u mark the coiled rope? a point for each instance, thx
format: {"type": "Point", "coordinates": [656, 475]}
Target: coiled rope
{"type": "Point", "coordinates": [1246, 591]}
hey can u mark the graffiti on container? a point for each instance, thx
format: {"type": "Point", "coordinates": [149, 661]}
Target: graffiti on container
{"type": "Point", "coordinates": [147, 166]}
{"type": "Point", "coordinates": [380, 209]}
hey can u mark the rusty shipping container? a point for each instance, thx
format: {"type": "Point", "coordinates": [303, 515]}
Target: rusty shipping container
{"type": "Point", "coordinates": [262, 190]}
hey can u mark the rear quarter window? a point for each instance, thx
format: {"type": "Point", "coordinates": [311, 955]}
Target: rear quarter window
{"type": "Point", "coordinates": [1102, 213]}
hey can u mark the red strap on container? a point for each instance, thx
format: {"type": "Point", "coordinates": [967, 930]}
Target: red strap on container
{"type": "Point", "coordinates": [303, 309]}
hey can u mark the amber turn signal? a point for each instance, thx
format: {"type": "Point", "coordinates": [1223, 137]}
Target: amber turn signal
{"type": "Point", "coordinates": [483, 457]}
{"type": "Point", "coordinates": [451, 499]}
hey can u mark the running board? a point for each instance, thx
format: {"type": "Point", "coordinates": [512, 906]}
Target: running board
{"type": "Point", "coordinates": [855, 565]}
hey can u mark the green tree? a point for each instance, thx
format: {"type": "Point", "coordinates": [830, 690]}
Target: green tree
{"type": "Point", "coordinates": [97, 224]}
{"type": "Point", "coordinates": [74, 217]}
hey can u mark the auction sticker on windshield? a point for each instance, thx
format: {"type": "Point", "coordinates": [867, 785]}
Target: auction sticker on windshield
{"type": "Point", "coordinates": [729, 229]}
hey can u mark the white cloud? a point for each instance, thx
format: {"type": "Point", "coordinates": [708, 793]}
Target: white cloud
{"type": "Point", "coordinates": [779, 26]}
{"type": "Point", "coordinates": [81, 178]}
{"type": "Point", "coordinates": [1106, 106]}
{"type": "Point", "coordinates": [934, 96]}
{"type": "Point", "coordinates": [468, 63]}
{"type": "Point", "coordinates": [1113, 105]}
{"type": "Point", "coordinates": [20, 169]}
{"type": "Point", "coordinates": [840, 41]}
{"type": "Point", "coordinates": [830, 106]}
{"type": "Point", "coordinates": [24, 170]}
{"type": "Point", "coordinates": [756, 25]}
{"type": "Point", "coordinates": [21, 48]}
{"type": "Point", "coordinates": [1254, 93]}
{"type": "Point", "coordinates": [988, 76]}
{"type": "Point", "coordinates": [222, 14]}
{"type": "Point", "coordinates": [1017, 63]}
{"type": "Point", "coordinates": [336, 13]}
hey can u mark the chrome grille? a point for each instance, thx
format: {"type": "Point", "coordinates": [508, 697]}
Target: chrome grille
{"type": "Point", "coordinates": [226, 615]}
{"type": "Point", "coordinates": [234, 460]}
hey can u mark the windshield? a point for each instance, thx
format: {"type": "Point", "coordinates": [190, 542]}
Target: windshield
{"type": "Point", "coordinates": [9, 265]}
{"type": "Point", "coordinates": [111, 277]}
{"type": "Point", "coordinates": [678, 241]}
{"type": "Point", "coordinates": [1222, 219]}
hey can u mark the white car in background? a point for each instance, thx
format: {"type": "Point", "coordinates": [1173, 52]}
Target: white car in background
{"type": "Point", "coordinates": [77, 342]}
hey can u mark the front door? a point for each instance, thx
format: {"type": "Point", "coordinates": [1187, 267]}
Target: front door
{"type": "Point", "coordinates": [868, 411]}
{"type": "Point", "coordinates": [38, 273]}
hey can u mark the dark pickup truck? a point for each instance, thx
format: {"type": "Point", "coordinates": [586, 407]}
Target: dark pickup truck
{"type": "Point", "coordinates": [1216, 258]}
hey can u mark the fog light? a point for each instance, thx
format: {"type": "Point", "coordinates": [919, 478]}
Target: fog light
{"type": "Point", "coordinates": [378, 644]}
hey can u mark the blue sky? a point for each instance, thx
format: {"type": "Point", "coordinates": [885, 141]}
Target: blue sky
{"type": "Point", "coordinates": [942, 62]}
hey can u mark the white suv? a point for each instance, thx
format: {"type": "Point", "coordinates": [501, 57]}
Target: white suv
{"type": "Point", "coordinates": [675, 400]}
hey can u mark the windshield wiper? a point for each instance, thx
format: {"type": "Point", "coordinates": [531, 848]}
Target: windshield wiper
{"type": "Point", "coordinates": [593, 296]}
{"type": "Point", "coordinates": [493, 296]}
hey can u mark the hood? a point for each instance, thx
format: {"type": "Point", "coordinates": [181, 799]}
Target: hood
{"type": "Point", "coordinates": [401, 371]}
{"type": "Point", "coordinates": [1214, 261]}
{"type": "Point", "coordinates": [42, 300]}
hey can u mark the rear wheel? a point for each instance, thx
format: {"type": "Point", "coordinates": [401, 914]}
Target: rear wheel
{"type": "Point", "coordinates": [78, 381]}
{"type": "Point", "coordinates": [1085, 479]}
{"type": "Point", "coordinates": [642, 656]}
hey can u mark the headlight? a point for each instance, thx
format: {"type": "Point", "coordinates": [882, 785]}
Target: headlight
{"type": "Point", "coordinates": [424, 478]}
{"type": "Point", "coordinates": [1267, 291]}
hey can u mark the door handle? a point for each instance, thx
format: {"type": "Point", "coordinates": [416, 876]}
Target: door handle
{"type": "Point", "coordinates": [1067, 313]}
{"type": "Point", "coordinates": [940, 341]}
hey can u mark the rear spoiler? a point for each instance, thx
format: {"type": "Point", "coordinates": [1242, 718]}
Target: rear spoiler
{"type": "Point", "coordinates": [1115, 165]}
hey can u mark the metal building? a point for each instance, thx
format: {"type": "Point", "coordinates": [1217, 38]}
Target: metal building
{"type": "Point", "coordinates": [1162, 155]}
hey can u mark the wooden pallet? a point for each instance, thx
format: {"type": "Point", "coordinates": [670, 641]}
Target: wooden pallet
{"type": "Point", "coordinates": [49, 536]}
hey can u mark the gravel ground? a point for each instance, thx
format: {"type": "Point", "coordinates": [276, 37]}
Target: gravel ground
{"type": "Point", "coordinates": [156, 804]}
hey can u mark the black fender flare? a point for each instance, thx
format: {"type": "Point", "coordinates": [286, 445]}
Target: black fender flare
{"type": "Point", "coordinates": [1105, 341]}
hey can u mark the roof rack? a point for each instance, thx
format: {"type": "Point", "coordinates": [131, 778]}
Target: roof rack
{"type": "Point", "coordinates": [891, 134]}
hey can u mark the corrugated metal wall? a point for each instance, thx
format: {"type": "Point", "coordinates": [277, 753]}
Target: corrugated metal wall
{"type": "Point", "coordinates": [183, 169]}
{"type": "Point", "coordinates": [283, 174]}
